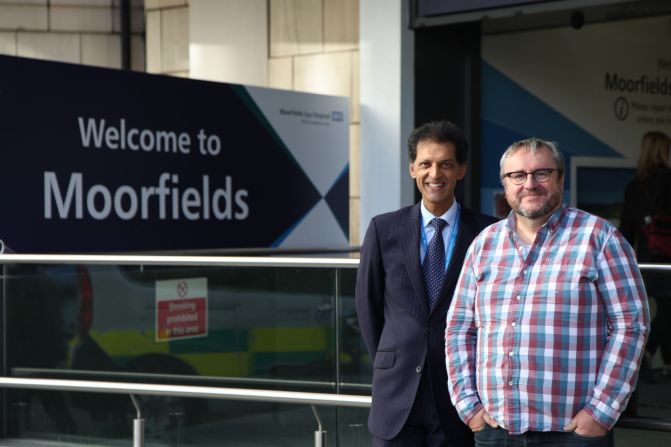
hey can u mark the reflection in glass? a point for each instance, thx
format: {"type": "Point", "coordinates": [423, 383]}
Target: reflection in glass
{"type": "Point", "coordinates": [267, 328]}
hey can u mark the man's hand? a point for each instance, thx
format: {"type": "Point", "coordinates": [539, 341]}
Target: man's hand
{"type": "Point", "coordinates": [584, 425]}
{"type": "Point", "coordinates": [481, 418]}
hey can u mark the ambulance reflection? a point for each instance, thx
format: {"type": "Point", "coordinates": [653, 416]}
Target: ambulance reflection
{"type": "Point", "coordinates": [269, 324]}
{"type": "Point", "coordinates": [125, 315]}
{"type": "Point", "coordinates": [49, 312]}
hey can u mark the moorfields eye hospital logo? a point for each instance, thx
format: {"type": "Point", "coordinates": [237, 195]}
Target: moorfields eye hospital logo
{"type": "Point", "coordinates": [314, 117]}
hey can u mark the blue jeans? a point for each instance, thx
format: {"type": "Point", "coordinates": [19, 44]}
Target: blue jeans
{"type": "Point", "coordinates": [498, 437]}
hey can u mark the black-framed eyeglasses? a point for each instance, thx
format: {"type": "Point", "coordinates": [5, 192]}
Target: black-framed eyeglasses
{"type": "Point", "coordinates": [540, 175]}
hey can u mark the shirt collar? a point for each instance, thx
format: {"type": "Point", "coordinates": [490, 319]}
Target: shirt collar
{"type": "Point", "coordinates": [449, 216]}
{"type": "Point", "coordinates": [552, 223]}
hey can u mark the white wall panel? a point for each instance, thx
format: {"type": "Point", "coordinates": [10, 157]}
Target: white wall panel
{"type": "Point", "coordinates": [103, 50]}
{"type": "Point", "coordinates": [23, 17]}
{"type": "Point", "coordinates": [228, 41]}
{"type": "Point", "coordinates": [8, 43]}
{"type": "Point", "coordinates": [69, 18]}
{"type": "Point", "coordinates": [50, 46]}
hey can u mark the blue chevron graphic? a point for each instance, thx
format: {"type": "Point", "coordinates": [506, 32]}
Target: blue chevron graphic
{"type": "Point", "coordinates": [510, 106]}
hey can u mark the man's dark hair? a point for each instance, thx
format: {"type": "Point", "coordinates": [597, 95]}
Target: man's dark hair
{"type": "Point", "coordinates": [439, 132]}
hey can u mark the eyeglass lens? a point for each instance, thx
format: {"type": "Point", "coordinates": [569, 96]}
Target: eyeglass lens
{"type": "Point", "coordinates": [540, 175]}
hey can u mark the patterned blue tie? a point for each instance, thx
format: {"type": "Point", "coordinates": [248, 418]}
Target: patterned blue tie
{"type": "Point", "coordinates": [434, 262]}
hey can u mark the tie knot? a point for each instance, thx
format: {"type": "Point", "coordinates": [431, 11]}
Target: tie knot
{"type": "Point", "coordinates": [438, 224]}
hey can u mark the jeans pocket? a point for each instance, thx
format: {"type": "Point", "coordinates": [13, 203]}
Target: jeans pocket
{"type": "Point", "coordinates": [590, 440]}
{"type": "Point", "coordinates": [487, 434]}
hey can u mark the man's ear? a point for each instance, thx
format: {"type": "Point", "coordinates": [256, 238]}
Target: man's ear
{"type": "Point", "coordinates": [411, 168]}
{"type": "Point", "coordinates": [462, 168]}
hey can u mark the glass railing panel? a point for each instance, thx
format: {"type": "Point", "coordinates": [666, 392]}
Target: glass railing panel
{"type": "Point", "coordinates": [653, 396]}
{"type": "Point", "coordinates": [267, 328]}
{"type": "Point", "coordinates": [355, 364]}
{"type": "Point", "coordinates": [634, 438]}
{"type": "Point", "coordinates": [353, 428]}
{"type": "Point", "coordinates": [227, 423]}
{"type": "Point", "coordinates": [272, 323]}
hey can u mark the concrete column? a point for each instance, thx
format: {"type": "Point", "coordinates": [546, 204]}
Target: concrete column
{"type": "Point", "coordinates": [387, 106]}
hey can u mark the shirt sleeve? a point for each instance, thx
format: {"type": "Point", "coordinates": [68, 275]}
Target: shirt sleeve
{"type": "Point", "coordinates": [460, 343]}
{"type": "Point", "coordinates": [622, 292]}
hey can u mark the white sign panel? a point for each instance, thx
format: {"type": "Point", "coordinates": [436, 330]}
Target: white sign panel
{"type": "Point", "coordinates": [595, 91]}
{"type": "Point", "coordinates": [181, 309]}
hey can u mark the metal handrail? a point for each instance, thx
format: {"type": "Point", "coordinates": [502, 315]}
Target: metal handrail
{"type": "Point", "coordinates": [194, 260]}
{"type": "Point", "coordinates": [222, 261]}
{"type": "Point", "coordinates": [644, 423]}
{"type": "Point", "coordinates": [653, 266]}
{"type": "Point", "coordinates": [206, 392]}
{"type": "Point", "coordinates": [55, 373]}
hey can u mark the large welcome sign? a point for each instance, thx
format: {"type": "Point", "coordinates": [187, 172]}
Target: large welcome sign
{"type": "Point", "coordinates": [106, 160]}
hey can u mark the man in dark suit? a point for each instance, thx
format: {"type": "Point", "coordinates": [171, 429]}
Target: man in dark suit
{"type": "Point", "coordinates": [400, 305]}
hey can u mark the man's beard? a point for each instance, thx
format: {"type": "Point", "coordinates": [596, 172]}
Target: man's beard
{"type": "Point", "coordinates": [546, 209]}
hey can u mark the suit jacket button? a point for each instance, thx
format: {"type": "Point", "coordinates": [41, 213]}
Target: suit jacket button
{"type": "Point", "coordinates": [418, 369]}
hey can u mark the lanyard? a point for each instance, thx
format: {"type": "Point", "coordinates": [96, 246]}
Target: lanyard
{"type": "Point", "coordinates": [453, 236]}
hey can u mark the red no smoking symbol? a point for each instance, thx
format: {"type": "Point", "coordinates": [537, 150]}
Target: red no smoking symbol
{"type": "Point", "coordinates": [182, 289]}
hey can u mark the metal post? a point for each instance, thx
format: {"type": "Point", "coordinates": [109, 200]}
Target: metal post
{"type": "Point", "coordinates": [320, 435]}
{"type": "Point", "coordinates": [320, 438]}
{"type": "Point", "coordinates": [138, 424]}
{"type": "Point", "coordinates": [138, 432]}
{"type": "Point", "coordinates": [22, 418]}
{"type": "Point", "coordinates": [176, 418]}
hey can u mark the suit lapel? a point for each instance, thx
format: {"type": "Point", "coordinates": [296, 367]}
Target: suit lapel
{"type": "Point", "coordinates": [410, 242]}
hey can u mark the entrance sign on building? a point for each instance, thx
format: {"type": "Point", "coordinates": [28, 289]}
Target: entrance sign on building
{"type": "Point", "coordinates": [107, 160]}
{"type": "Point", "coordinates": [595, 90]}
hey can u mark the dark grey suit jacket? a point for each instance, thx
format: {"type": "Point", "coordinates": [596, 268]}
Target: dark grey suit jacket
{"type": "Point", "coordinates": [402, 334]}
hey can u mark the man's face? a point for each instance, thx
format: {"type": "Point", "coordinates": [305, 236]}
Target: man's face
{"type": "Point", "coordinates": [436, 172]}
{"type": "Point", "coordinates": [532, 199]}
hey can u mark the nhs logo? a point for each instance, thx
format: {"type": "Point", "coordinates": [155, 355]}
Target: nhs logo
{"type": "Point", "coordinates": [336, 116]}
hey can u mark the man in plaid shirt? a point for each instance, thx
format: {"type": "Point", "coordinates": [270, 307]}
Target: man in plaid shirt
{"type": "Point", "coordinates": [549, 318]}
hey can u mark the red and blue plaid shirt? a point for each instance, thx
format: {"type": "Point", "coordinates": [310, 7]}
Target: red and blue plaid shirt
{"type": "Point", "coordinates": [536, 337]}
